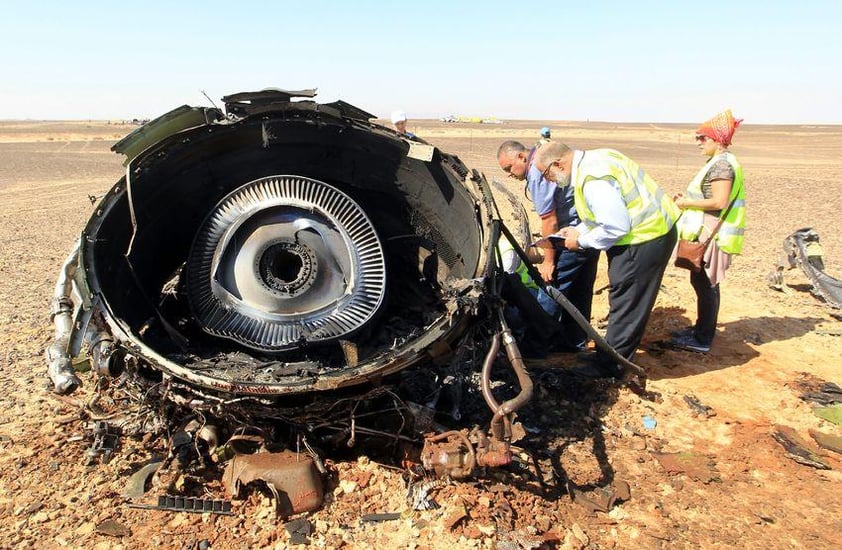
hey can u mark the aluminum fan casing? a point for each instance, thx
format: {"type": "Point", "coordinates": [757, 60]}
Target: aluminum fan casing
{"type": "Point", "coordinates": [285, 260]}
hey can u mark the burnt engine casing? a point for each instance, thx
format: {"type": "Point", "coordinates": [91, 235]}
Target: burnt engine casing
{"type": "Point", "coordinates": [283, 247]}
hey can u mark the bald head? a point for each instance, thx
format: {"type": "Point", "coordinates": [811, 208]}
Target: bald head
{"type": "Point", "coordinates": [511, 148]}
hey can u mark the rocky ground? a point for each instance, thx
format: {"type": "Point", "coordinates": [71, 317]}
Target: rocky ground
{"type": "Point", "coordinates": [699, 467]}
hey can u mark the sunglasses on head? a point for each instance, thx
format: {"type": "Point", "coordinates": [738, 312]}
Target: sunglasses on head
{"type": "Point", "coordinates": [702, 139]}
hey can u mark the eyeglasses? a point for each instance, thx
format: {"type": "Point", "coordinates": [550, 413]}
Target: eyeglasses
{"type": "Point", "coordinates": [550, 165]}
{"type": "Point", "coordinates": [702, 139]}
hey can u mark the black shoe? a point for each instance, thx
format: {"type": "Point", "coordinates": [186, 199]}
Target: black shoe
{"type": "Point", "coordinates": [596, 371]}
{"type": "Point", "coordinates": [690, 343]}
{"type": "Point", "coordinates": [685, 332]}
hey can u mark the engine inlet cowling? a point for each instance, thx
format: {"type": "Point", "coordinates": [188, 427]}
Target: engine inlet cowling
{"type": "Point", "coordinates": [285, 260]}
{"type": "Point", "coordinates": [283, 247]}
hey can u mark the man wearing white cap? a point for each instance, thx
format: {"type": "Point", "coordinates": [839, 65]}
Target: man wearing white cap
{"type": "Point", "coordinates": [399, 120]}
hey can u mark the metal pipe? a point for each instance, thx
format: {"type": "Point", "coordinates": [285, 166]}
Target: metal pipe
{"type": "Point", "coordinates": [59, 365]}
{"type": "Point", "coordinates": [485, 379]}
{"type": "Point", "coordinates": [562, 300]}
{"type": "Point", "coordinates": [505, 410]}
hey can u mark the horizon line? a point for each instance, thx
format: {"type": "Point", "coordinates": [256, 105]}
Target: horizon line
{"type": "Point", "coordinates": [387, 122]}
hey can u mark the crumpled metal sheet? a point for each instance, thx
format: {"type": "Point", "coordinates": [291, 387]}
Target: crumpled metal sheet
{"type": "Point", "coordinates": [802, 249]}
{"type": "Point", "coordinates": [292, 478]}
{"type": "Point", "coordinates": [136, 486]}
{"type": "Point", "coordinates": [797, 449]}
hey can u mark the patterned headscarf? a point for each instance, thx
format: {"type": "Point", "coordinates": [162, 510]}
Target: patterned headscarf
{"type": "Point", "coordinates": [720, 128]}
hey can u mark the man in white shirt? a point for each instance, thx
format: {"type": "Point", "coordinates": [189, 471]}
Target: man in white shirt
{"type": "Point", "coordinates": [624, 212]}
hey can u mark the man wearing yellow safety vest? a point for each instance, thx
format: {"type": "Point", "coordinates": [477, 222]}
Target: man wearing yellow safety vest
{"type": "Point", "coordinates": [625, 213]}
{"type": "Point", "coordinates": [529, 310]}
{"type": "Point", "coordinates": [513, 264]}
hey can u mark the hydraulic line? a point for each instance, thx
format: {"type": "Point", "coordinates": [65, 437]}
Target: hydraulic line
{"type": "Point", "coordinates": [562, 300]}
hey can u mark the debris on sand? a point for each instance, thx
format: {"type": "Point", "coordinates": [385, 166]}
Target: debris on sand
{"type": "Point", "coordinates": [831, 414]}
{"type": "Point", "coordinates": [292, 478]}
{"type": "Point", "coordinates": [802, 249]}
{"type": "Point", "coordinates": [827, 441]}
{"type": "Point", "coordinates": [601, 499]}
{"type": "Point", "coordinates": [299, 531]}
{"type": "Point", "coordinates": [113, 528]}
{"type": "Point", "coordinates": [136, 486]}
{"type": "Point", "coordinates": [699, 409]}
{"type": "Point", "coordinates": [696, 466]}
{"type": "Point", "coordinates": [797, 449]}
{"type": "Point", "coordinates": [816, 390]}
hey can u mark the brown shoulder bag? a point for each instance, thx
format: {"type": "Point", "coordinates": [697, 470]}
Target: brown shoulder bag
{"type": "Point", "coordinates": [690, 254]}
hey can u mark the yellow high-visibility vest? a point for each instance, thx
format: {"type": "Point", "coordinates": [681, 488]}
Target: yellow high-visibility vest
{"type": "Point", "coordinates": [651, 211]}
{"type": "Point", "coordinates": [730, 234]}
{"type": "Point", "coordinates": [521, 270]}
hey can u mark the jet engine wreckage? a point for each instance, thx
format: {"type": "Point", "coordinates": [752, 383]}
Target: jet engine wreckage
{"type": "Point", "coordinates": [291, 274]}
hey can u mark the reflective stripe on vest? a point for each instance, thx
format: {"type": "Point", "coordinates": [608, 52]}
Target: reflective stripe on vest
{"type": "Point", "coordinates": [522, 270]}
{"type": "Point", "coordinates": [651, 212]}
{"type": "Point", "coordinates": [729, 238]}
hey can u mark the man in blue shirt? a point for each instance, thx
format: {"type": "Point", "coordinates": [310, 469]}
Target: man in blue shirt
{"type": "Point", "coordinates": [571, 272]}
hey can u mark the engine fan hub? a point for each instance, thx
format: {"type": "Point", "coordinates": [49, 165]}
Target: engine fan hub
{"type": "Point", "coordinates": [285, 259]}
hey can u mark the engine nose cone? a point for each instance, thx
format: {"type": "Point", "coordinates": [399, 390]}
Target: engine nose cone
{"type": "Point", "coordinates": [283, 260]}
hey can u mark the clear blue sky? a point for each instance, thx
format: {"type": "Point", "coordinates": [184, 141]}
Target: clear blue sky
{"type": "Point", "coordinates": [665, 61]}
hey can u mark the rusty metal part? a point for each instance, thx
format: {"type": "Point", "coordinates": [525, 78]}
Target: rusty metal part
{"type": "Point", "coordinates": [496, 455]}
{"type": "Point", "coordinates": [491, 452]}
{"type": "Point", "coordinates": [449, 454]}
{"type": "Point", "coordinates": [292, 478]}
{"type": "Point", "coordinates": [600, 499]}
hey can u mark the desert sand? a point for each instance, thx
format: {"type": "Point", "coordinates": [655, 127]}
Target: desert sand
{"type": "Point", "coordinates": [696, 481]}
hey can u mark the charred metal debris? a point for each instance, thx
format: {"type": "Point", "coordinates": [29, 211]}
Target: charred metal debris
{"type": "Point", "coordinates": [286, 280]}
{"type": "Point", "coordinates": [802, 249]}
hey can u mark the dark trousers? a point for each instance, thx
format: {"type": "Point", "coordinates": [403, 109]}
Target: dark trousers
{"type": "Point", "coordinates": [575, 274]}
{"type": "Point", "coordinates": [635, 273]}
{"type": "Point", "coordinates": [707, 306]}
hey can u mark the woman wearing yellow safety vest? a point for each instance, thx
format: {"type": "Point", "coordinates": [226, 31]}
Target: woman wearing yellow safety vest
{"type": "Point", "coordinates": [715, 187]}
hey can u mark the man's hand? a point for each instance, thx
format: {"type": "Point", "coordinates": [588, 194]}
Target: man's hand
{"type": "Point", "coordinates": [571, 238]}
{"type": "Point", "coordinates": [546, 269]}
{"type": "Point", "coordinates": [549, 225]}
